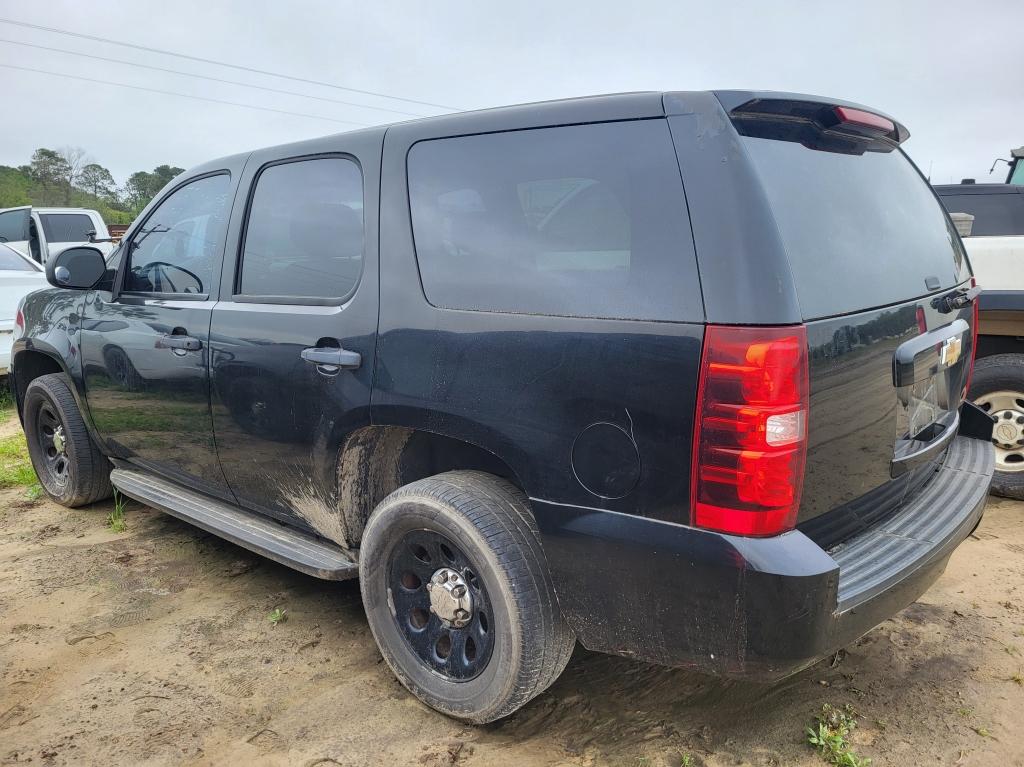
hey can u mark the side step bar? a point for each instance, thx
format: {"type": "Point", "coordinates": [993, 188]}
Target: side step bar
{"type": "Point", "coordinates": [289, 546]}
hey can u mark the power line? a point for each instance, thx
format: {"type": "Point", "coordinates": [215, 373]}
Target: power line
{"type": "Point", "coordinates": [206, 77]}
{"type": "Point", "coordinates": [219, 63]}
{"type": "Point", "coordinates": [182, 95]}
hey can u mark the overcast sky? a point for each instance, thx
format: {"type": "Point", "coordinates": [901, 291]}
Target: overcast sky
{"type": "Point", "coordinates": [952, 72]}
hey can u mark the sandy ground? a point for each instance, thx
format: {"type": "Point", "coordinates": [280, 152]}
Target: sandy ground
{"type": "Point", "coordinates": [153, 647]}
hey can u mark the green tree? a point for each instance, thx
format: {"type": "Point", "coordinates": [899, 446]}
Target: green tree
{"type": "Point", "coordinates": [97, 181]}
{"type": "Point", "coordinates": [49, 171]}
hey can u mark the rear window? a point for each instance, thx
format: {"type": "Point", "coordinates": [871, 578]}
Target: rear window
{"type": "Point", "coordinates": [574, 221]}
{"type": "Point", "coordinates": [67, 227]}
{"type": "Point", "coordinates": [994, 214]}
{"type": "Point", "coordinates": [860, 231]}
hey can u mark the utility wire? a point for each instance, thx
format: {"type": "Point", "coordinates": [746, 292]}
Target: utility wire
{"type": "Point", "coordinates": [206, 77]}
{"type": "Point", "coordinates": [182, 95]}
{"type": "Point", "coordinates": [219, 63]}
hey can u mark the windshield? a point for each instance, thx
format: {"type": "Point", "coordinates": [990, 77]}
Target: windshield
{"type": "Point", "coordinates": [861, 231]}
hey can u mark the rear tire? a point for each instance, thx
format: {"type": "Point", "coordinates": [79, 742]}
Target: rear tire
{"type": "Point", "coordinates": [476, 529]}
{"type": "Point", "coordinates": [71, 469]}
{"type": "Point", "coordinates": [997, 386]}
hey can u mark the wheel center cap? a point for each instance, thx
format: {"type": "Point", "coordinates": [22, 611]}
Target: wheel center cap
{"type": "Point", "coordinates": [450, 599]}
{"type": "Point", "coordinates": [1007, 432]}
{"type": "Point", "coordinates": [58, 439]}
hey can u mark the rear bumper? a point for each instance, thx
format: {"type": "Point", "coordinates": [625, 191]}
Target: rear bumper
{"type": "Point", "coordinates": [757, 608]}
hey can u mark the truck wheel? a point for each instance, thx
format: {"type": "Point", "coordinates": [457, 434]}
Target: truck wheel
{"type": "Point", "coordinates": [998, 388]}
{"type": "Point", "coordinates": [70, 467]}
{"type": "Point", "coordinates": [458, 595]}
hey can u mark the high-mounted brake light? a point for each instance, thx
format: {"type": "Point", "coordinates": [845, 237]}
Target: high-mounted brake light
{"type": "Point", "coordinates": [750, 431]}
{"type": "Point", "coordinates": [851, 116]}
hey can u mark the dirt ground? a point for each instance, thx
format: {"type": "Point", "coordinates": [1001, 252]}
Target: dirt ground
{"type": "Point", "coordinates": [154, 647]}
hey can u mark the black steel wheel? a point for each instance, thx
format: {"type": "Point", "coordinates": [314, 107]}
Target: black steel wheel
{"type": "Point", "coordinates": [52, 438]}
{"type": "Point", "coordinates": [70, 467]}
{"type": "Point", "coordinates": [441, 606]}
{"type": "Point", "coordinates": [458, 595]}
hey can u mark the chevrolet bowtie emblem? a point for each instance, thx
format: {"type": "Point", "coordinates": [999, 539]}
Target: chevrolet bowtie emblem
{"type": "Point", "coordinates": [950, 350]}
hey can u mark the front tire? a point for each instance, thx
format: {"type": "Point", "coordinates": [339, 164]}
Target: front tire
{"type": "Point", "coordinates": [458, 595]}
{"type": "Point", "coordinates": [997, 387]}
{"type": "Point", "coordinates": [70, 467]}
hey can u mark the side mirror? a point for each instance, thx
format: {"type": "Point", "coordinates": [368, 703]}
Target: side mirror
{"type": "Point", "coordinates": [76, 268]}
{"type": "Point", "coordinates": [964, 223]}
{"type": "Point", "coordinates": [92, 237]}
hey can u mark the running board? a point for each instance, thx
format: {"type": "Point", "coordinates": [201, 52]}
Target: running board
{"type": "Point", "coordinates": [289, 546]}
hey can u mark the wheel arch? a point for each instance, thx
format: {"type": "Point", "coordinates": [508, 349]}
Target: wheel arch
{"type": "Point", "coordinates": [376, 460]}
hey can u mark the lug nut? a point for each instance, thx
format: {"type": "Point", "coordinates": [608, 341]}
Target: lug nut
{"type": "Point", "coordinates": [458, 592]}
{"type": "Point", "coordinates": [1020, 419]}
{"type": "Point", "coordinates": [461, 614]}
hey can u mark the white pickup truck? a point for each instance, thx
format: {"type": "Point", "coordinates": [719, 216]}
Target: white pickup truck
{"type": "Point", "coordinates": [40, 233]}
{"type": "Point", "coordinates": [990, 218]}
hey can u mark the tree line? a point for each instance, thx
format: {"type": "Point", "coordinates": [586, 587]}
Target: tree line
{"type": "Point", "coordinates": [68, 177]}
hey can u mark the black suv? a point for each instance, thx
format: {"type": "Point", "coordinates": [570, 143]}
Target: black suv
{"type": "Point", "coordinates": [679, 376]}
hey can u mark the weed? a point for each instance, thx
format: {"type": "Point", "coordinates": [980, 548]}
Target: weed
{"type": "Point", "coordinates": [34, 492]}
{"type": "Point", "coordinates": [982, 731]}
{"type": "Point", "coordinates": [6, 402]}
{"type": "Point", "coordinates": [1018, 678]}
{"type": "Point", "coordinates": [830, 733]}
{"type": "Point", "coordinates": [115, 519]}
{"type": "Point", "coordinates": [687, 761]}
{"type": "Point", "coordinates": [965, 712]}
{"type": "Point", "coordinates": [277, 616]}
{"type": "Point", "coordinates": [15, 465]}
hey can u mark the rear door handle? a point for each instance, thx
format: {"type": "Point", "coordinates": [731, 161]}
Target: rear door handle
{"type": "Point", "coordinates": [333, 357]}
{"type": "Point", "coordinates": [174, 341]}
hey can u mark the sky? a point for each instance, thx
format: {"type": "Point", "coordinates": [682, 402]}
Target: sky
{"type": "Point", "coordinates": [952, 73]}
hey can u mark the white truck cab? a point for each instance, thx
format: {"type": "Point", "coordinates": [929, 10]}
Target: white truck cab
{"type": "Point", "coordinates": [40, 233]}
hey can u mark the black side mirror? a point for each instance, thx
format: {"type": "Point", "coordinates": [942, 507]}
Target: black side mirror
{"type": "Point", "coordinates": [76, 268]}
{"type": "Point", "coordinates": [92, 237]}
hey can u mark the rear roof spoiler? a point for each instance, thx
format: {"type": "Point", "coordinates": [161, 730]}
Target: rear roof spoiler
{"type": "Point", "coordinates": [813, 120]}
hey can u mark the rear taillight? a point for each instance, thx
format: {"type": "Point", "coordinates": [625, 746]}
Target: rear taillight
{"type": "Point", "coordinates": [19, 323]}
{"type": "Point", "coordinates": [974, 341]}
{"type": "Point", "coordinates": [750, 431]}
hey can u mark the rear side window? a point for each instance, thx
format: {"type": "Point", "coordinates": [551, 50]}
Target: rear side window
{"type": "Point", "coordinates": [67, 227]}
{"type": "Point", "coordinates": [304, 237]}
{"type": "Point", "coordinates": [14, 225]}
{"type": "Point", "coordinates": [577, 221]}
{"type": "Point", "coordinates": [860, 231]}
{"type": "Point", "coordinates": [994, 214]}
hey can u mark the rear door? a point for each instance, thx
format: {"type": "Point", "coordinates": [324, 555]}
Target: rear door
{"type": "Point", "coordinates": [145, 347]}
{"type": "Point", "coordinates": [873, 258]}
{"type": "Point", "coordinates": [293, 339]}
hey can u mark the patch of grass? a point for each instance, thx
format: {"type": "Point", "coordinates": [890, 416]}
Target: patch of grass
{"type": "Point", "coordinates": [34, 492]}
{"type": "Point", "coordinates": [687, 761]}
{"type": "Point", "coordinates": [277, 616]}
{"type": "Point", "coordinates": [830, 735]}
{"type": "Point", "coordinates": [15, 465]}
{"type": "Point", "coordinates": [6, 401]}
{"type": "Point", "coordinates": [965, 712]}
{"type": "Point", "coordinates": [115, 519]}
{"type": "Point", "coordinates": [982, 731]}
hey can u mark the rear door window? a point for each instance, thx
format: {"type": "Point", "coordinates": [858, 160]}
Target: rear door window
{"type": "Point", "coordinates": [994, 214]}
{"type": "Point", "coordinates": [576, 221]}
{"type": "Point", "coordinates": [67, 227]}
{"type": "Point", "coordinates": [304, 236]}
{"type": "Point", "coordinates": [860, 231]}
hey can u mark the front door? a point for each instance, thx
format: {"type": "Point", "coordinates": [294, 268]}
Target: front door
{"type": "Point", "coordinates": [293, 338]}
{"type": "Point", "coordinates": [145, 344]}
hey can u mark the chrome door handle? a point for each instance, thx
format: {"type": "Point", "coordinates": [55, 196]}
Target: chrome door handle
{"type": "Point", "coordinates": [333, 357]}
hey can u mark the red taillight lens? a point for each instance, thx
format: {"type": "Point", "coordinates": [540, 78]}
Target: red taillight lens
{"type": "Point", "coordinates": [750, 431]}
{"type": "Point", "coordinates": [19, 324]}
